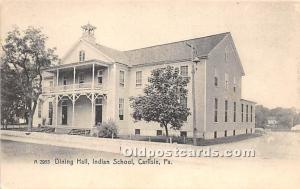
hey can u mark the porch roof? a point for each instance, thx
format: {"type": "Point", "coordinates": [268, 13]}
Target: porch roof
{"type": "Point", "coordinates": [249, 101]}
{"type": "Point", "coordinates": [87, 63]}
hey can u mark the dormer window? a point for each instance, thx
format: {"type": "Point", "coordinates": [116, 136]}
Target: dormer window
{"type": "Point", "coordinates": [81, 56]}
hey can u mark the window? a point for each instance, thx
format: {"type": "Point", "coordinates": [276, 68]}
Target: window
{"type": "Point", "coordinates": [138, 78]}
{"type": "Point", "coordinates": [226, 81]}
{"type": "Point", "coordinates": [246, 113]}
{"type": "Point", "coordinates": [234, 84]}
{"type": "Point", "coordinates": [100, 77]}
{"type": "Point", "coordinates": [233, 133]}
{"type": "Point", "coordinates": [183, 102]}
{"type": "Point", "coordinates": [121, 108]}
{"type": "Point", "coordinates": [251, 130]}
{"type": "Point", "coordinates": [99, 80]}
{"type": "Point", "coordinates": [51, 85]}
{"type": "Point", "coordinates": [40, 107]}
{"type": "Point", "coordinates": [158, 132]}
{"type": "Point", "coordinates": [50, 113]}
{"type": "Point", "coordinates": [183, 133]}
{"type": "Point", "coordinates": [137, 131]}
{"type": "Point", "coordinates": [122, 78]}
{"type": "Point", "coordinates": [216, 81]}
{"type": "Point", "coordinates": [215, 134]}
{"type": "Point", "coordinates": [242, 116]}
{"type": "Point", "coordinates": [246, 131]}
{"type": "Point", "coordinates": [234, 112]}
{"type": "Point", "coordinates": [81, 78]}
{"type": "Point", "coordinates": [251, 114]}
{"type": "Point", "coordinates": [226, 110]}
{"type": "Point", "coordinates": [216, 78]}
{"type": "Point", "coordinates": [216, 110]}
{"type": "Point", "coordinates": [225, 134]}
{"type": "Point", "coordinates": [184, 71]}
{"type": "Point", "coordinates": [81, 56]}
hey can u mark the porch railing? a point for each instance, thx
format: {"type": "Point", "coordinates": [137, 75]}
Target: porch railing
{"type": "Point", "coordinates": [71, 87]}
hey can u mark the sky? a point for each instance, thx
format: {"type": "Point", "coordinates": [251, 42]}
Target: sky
{"type": "Point", "coordinates": [266, 35]}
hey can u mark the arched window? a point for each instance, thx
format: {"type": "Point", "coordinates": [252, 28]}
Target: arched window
{"type": "Point", "coordinates": [81, 56]}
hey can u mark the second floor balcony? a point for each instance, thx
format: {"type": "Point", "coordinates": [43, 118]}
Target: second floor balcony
{"type": "Point", "coordinates": [84, 76]}
{"type": "Point", "coordinates": [73, 87]}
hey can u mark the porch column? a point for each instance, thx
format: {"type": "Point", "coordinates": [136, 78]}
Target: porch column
{"type": "Point", "coordinates": [73, 110]}
{"type": "Point", "coordinates": [56, 110]}
{"type": "Point", "coordinates": [57, 76]}
{"type": "Point", "coordinates": [74, 77]}
{"type": "Point", "coordinates": [93, 79]}
{"type": "Point", "coordinates": [108, 71]}
{"type": "Point", "coordinates": [93, 110]}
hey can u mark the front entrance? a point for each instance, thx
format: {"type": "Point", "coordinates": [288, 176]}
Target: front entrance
{"type": "Point", "coordinates": [98, 114]}
{"type": "Point", "coordinates": [64, 115]}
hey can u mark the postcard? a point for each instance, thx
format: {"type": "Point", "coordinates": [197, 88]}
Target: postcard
{"type": "Point", "coordinates": [150, 94]}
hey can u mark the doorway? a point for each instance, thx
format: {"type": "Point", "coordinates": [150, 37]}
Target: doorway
{"type": "Point", "coordinates": [64, 113]}
{"type": "Point", "coordinates": [98, 114]}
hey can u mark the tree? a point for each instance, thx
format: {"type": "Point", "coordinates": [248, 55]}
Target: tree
{"type": "Point", "coordinates": [261, 116]}
{"type": "Point", "coordinates": [12, 105]}
{"type": "Point", "coordinates": [296, 120]}
{"type": "Point", "coordinates": [27, 53]}
{"type": "Point", "coordinates": [286, 117]}
{"type": "Point", "coordinates": [164, 99]}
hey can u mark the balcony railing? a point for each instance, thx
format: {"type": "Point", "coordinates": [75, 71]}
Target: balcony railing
{"type": "Point", "coordinates": [71, 87]}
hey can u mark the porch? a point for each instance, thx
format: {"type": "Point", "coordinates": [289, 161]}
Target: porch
{"type": "Point", "coordinates": [75, 110]}
{"type": "Point", "coordinates": [77, 77]}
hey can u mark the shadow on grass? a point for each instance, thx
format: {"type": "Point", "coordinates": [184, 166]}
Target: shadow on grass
{"type": "Point", "coordinates": [189, 141]}
{"type": "Point", "coordinates": [225, 140]}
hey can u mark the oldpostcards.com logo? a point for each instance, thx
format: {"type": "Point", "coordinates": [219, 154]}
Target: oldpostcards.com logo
{"type": "Point", "coordinates": [204, 152]}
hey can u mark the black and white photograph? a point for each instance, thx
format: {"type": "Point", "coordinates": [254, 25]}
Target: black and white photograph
{"type": "Point", "coordinates": [149, 94]}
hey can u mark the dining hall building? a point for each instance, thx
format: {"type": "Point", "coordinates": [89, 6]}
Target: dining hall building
{"type": "Point", "coordinates": [93, 83]}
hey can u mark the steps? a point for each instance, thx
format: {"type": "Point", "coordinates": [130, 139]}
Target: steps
{"type": "Point", "coordinates": [80, 132]}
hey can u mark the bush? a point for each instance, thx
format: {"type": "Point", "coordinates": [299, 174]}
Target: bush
{"type": "Point", "coordinates": [107, 129]}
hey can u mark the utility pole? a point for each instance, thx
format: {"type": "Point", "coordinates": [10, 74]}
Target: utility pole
{"type": "Point", "coordinates": [194, 60]}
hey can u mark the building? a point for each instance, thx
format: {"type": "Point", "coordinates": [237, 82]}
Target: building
{"type": "Point", "coordinates": [93, 83]}
{"type": "Point", "coordinates": [272, 122]}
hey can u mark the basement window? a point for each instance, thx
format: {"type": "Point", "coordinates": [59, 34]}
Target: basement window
{"type": "Point", "coordinates": [137, 131]}
{"type": "Point", "coordinates": [183, 133]}
{"type": "Point", "coordinates": [158, 132]}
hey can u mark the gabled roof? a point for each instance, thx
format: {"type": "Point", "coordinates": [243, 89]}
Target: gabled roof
{"type": "Point", "coordinates": [174, 51]}
{"type": "Point", "coordinates": [117, 55]}
{"type": "Point", "coordinates": [161, 53]}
